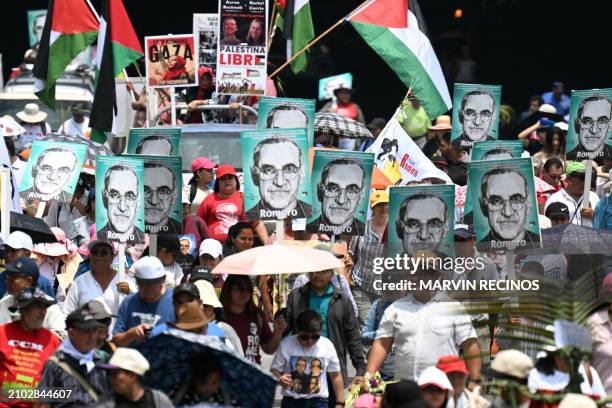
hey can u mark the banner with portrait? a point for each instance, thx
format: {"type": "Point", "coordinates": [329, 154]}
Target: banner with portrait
{"type": "Point", "coordinates": [475, 114]}
{"type": "Point", "coordinates": [162, 141]}
{"type": "Point", "coordinates": [327, 85]}
{"type": "Point", "coordinates": [287, 113]}
{"type": "Point", "coordinates": [119, 199]}
{"type": "Point", "coordinates": [206, 31]}
{"type": "Point", "coordinates": [590, 132]}
{"type": "Point", "coordinates": [341, 192]}
{"type": "Point", "coordinates": [505, 207]}
{"type": "Point", "coordinates": [163, 184]}
{"type": "Point", "coordinates": [488, 151]}
{"type": "Point", "coordinates": [276, 174]}
{"type": "Point", "coordinates": [421, 218]}
{"type": "Point", "coordinates": [171, 61]}
{"type": "Point", "coordinates": [52, 171]}
{"type": "Point", "coordinates": [242, 50]}
{"type": "Point", "coordinates": [36, 23]}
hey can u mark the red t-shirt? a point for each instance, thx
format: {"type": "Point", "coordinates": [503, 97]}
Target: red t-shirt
{"type": "Point", "coordinates": [220, 214]}
{"type": "Point", "coordinates": [251, 333]}
{"type": "Point", "coordinates": [22, 357]}
{"type": "Point", "coordinates": [348, 110]}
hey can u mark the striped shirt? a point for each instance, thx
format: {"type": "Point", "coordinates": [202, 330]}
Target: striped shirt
{"type": "Point", "coordinates": [364, 249]}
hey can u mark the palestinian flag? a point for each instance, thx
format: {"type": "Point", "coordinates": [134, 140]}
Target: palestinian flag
{"type": "Point", "coordinates": [119, 47]}
{"type": "Point", "coordinates": [70, 27]}
{"type": "Point", "coordinates": [395, 29]}
{"type": "Point", "coordinates": [295, 21]}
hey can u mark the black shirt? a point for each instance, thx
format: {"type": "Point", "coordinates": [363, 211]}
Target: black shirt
{"type": "Point", "coordinates": [146, 401]}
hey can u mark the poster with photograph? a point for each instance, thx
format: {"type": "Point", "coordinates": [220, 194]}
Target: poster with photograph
{"type": "Point", "coordinates": [421, 218]}
{"type": "Point", "coordinates": [162, 141]}
{"type": "Point", "coordinates": [341, 190]}
{"type": "Point", "coordinates": [52, 171]}
{"type": "Point", "coordinates": [242, 49]}
{"type": "Point", "coordinates": [590, 133]}
{"type": "Point", "coordinates": [171, 61]}
{"type": "Point", "coordinates": [119, 199]}
{"type": "Point", "coordinates": [475, 114]}
{"type": "Point", "coordinates": [287, 113]}
{"type": "Point", "coordinates": [329, 84]}
{"type": "Point", "coordinates": [163, 184]}
{"type": "Point", "coordinates": [206, 31]}
{"type": "Point", "coordinates": [506, 214]}
{"type": "Point", "coordinates": [36, 23]}
{"type": "Point", "coordinates": [488, 151]}
{"type": "Point", "coordinates": [276, 174]}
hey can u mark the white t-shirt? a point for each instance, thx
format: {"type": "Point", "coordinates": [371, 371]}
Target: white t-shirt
{"type": "Point", "coordinates": [33, 132]}
{"type": "Point", "coordinates": [422, 333]}
{"type": "Point", "coordinates": [308, 380]}
{"type": "Point", "coordinates": [562, 196]}
{"type": "Point", "coordinates": [70, 127]}
{"type": "Point", "coordinates": [559, 380]}
{"type": "Point", "coordinates": [174, 275]}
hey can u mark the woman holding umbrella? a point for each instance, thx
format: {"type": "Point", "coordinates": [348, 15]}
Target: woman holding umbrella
{"type": "Point", "coordinates": [249, 322]}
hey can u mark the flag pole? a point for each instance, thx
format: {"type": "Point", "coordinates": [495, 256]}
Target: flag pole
{"type": "Point", "coordinates": [316, 40]}
{"type": "Point", "coordinates": [272, 25]}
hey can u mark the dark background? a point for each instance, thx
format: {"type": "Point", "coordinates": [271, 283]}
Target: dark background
{"type": "Point", "coordinates": [524, 45]}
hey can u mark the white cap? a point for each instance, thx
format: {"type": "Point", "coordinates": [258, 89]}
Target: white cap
{"type": "Point", "coordinates": [512, 363]}
{"type": "Point", "coordinates": [148, 267]}
{"type": "Point", "coordinates": [577, 401]}
{"type": "Point", "coordinates": [547, 108]}
{"type": "Point", "coordinates": [211, 247]}
{"type": "Point", "coordinates": [19, 240]}
{"type": "Point", "coordinates": [298, 224]}
{"type": "Point", "coordinates": [207, 293]}
{"type": "Point", "coordinates": [562, 126]}
{"type": "Point", "coordinates": [130, 360]}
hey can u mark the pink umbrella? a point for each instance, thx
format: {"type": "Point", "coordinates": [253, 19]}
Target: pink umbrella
{"type": "Point", "coordinates": [278, 259]}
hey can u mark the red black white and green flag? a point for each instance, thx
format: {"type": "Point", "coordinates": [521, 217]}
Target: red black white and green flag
{"type": "Point", "coordinates": [70, 27]}
{"type": "Point", "coordinates": [396, 30]}
{"type": "Point", "coordinates": [118, 47]}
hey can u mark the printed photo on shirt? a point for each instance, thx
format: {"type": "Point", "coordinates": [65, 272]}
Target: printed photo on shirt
{"type": "Point", "coordinates": [307, 373]}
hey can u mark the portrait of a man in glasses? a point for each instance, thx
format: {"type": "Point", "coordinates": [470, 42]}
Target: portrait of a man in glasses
{"type": "Point", "coordinates": [340, 190]}
{"type": "Point", "coordinates": [505, 201]}
{"type": "Point", "coordinates": [53, 169]}
{"type": "Point", "coordinates": [120, 198]}
{"type": "Point", "coordinates": [286, 117]}
{"type": "Point", "coordinates": [476, 115]}
{"type": "Point", "coordinates": [592, 125]}
{"type": "Point", "coordinates": [278, 172]}
{"type": "Point", "coordinates": [159, 199]}
{"type": "Point", "coordinates": [422, 223]}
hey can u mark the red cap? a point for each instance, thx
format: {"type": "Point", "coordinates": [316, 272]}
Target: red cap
{"type": "Point", "coordinates": [452, 364]}
{"type": "Point", "coordinates": [226, 169]}
{"type": "Point", "coordinates": [202, 163]}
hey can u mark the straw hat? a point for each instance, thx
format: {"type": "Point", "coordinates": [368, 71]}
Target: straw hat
{"type": "Point", "coordinates": [443, 122]}
{"type": "Point", "coordinates": [31, 113]}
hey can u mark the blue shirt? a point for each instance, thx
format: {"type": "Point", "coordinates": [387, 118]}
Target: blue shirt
{"type": "Point", "coordinates": [562, 106]}
{"type": "Point", "coordinates": [43, 283]}
{"type": "Point", "coordinates": [211, 330]}
{"type": "Point", "coordinates": [134, 311]}
{"type": "Point", "coordinates": [602, 217]}
{"type": "Point", "coordinates": [321, 304]}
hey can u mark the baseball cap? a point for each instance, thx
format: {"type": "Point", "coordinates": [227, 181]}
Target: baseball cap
{"type": "Point", "coordinates": [557, 209]}
{"type": "Point", "coordinates": [29, 296]}
{"type": "Point", "coordinates": [211, 247]}
{"type": "Point", "coordinates": [546, 123]}
{"type": "Point", "coordinates": [19, 240]}
{"type": "Point", "coordinates": [452, 364]}
{"type": "Point", "coordinates": [378, 197]}
{"type": "Point", "coordinates": [202, 163]}
{"type": "Point", "coordinates": [433, 376]}
{"type": "Point", "coordinates": [562, 126]}
{"type": "Point", "coordinates": [405, 394]}
{"type": "Point", "coordinates": [188, 288]}
{"type": "Point", "coordinates": [512, 364]}
{"type": "Point", "coordinates": [87, 317]}
{"type": "Point", "coordinates": [575, 167]}
{"type": "Point", "coordinates": [208, 294]}
{"type": "Point", "coordinates": [24, 266]}
{"type": "Point", "coordinates": [547, 108]}
{"type": "Point", "coordinates": [98, 309]}
{"type": "Point", "coordinates": [226, 169]}
{"type": "Point", "coordinates": [377, 123]}
{"type": "Point", "coordinates": [464, 230]}
{"type": "Point", "coordinates": [439, 162]}
{"type": "Point", "coordinates": [128, 359]}
{"type": "Point", "coordinates": [148, 268]}
{"type": "Point", "coordinates": [169, 242]}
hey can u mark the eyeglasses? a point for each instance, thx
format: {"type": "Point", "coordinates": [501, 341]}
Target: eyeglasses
{"type": "Point", "coordinates": [163, 192]}
{"type": "Point", "coordinates": [471, 114]}
{"type": "Point", "coordinates": [413, 226]}
{"type": "Point", "coordinates": [305, 337]}
{"type": "Point", "coordinates": [333, 190]}
{"type": "Point", "coordinates": [99, 253]}
{"type": "Point", "coordinates": [496, 203]}
{"type": "Point", "coordinates": [290, 172]}
{"type": "Point", "coordinates": [587, 122]}
{"type": "Point", "coordinates": [114, 197]}
{"type": "Point", "coordinates": [47, 170]}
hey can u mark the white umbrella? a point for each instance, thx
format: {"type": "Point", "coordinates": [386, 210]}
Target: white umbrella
{"type": "Point", "coordinates": [8, 127]}
{"type": "Point", "coordinates": [278, 259]}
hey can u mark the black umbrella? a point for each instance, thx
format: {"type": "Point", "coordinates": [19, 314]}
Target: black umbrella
{"type": "Point", "coordinates": [533, 118]}
{"type": "Point", "coordinates": [575, 239]}
{"type": "Point", "coordinates": [36, 228]}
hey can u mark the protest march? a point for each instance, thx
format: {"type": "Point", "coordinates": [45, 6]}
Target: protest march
{"type": "Point", "coordinates": [223, 216]}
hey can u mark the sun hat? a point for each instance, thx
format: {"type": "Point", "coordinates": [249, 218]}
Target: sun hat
{"type": "Point", "coordinates": [31, 113]}
{"type": "Point", "coordinates": [443, 122]}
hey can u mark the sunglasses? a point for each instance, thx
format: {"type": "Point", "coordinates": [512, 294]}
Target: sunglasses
{"type": "Point", "coordinates": [305, 337]}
